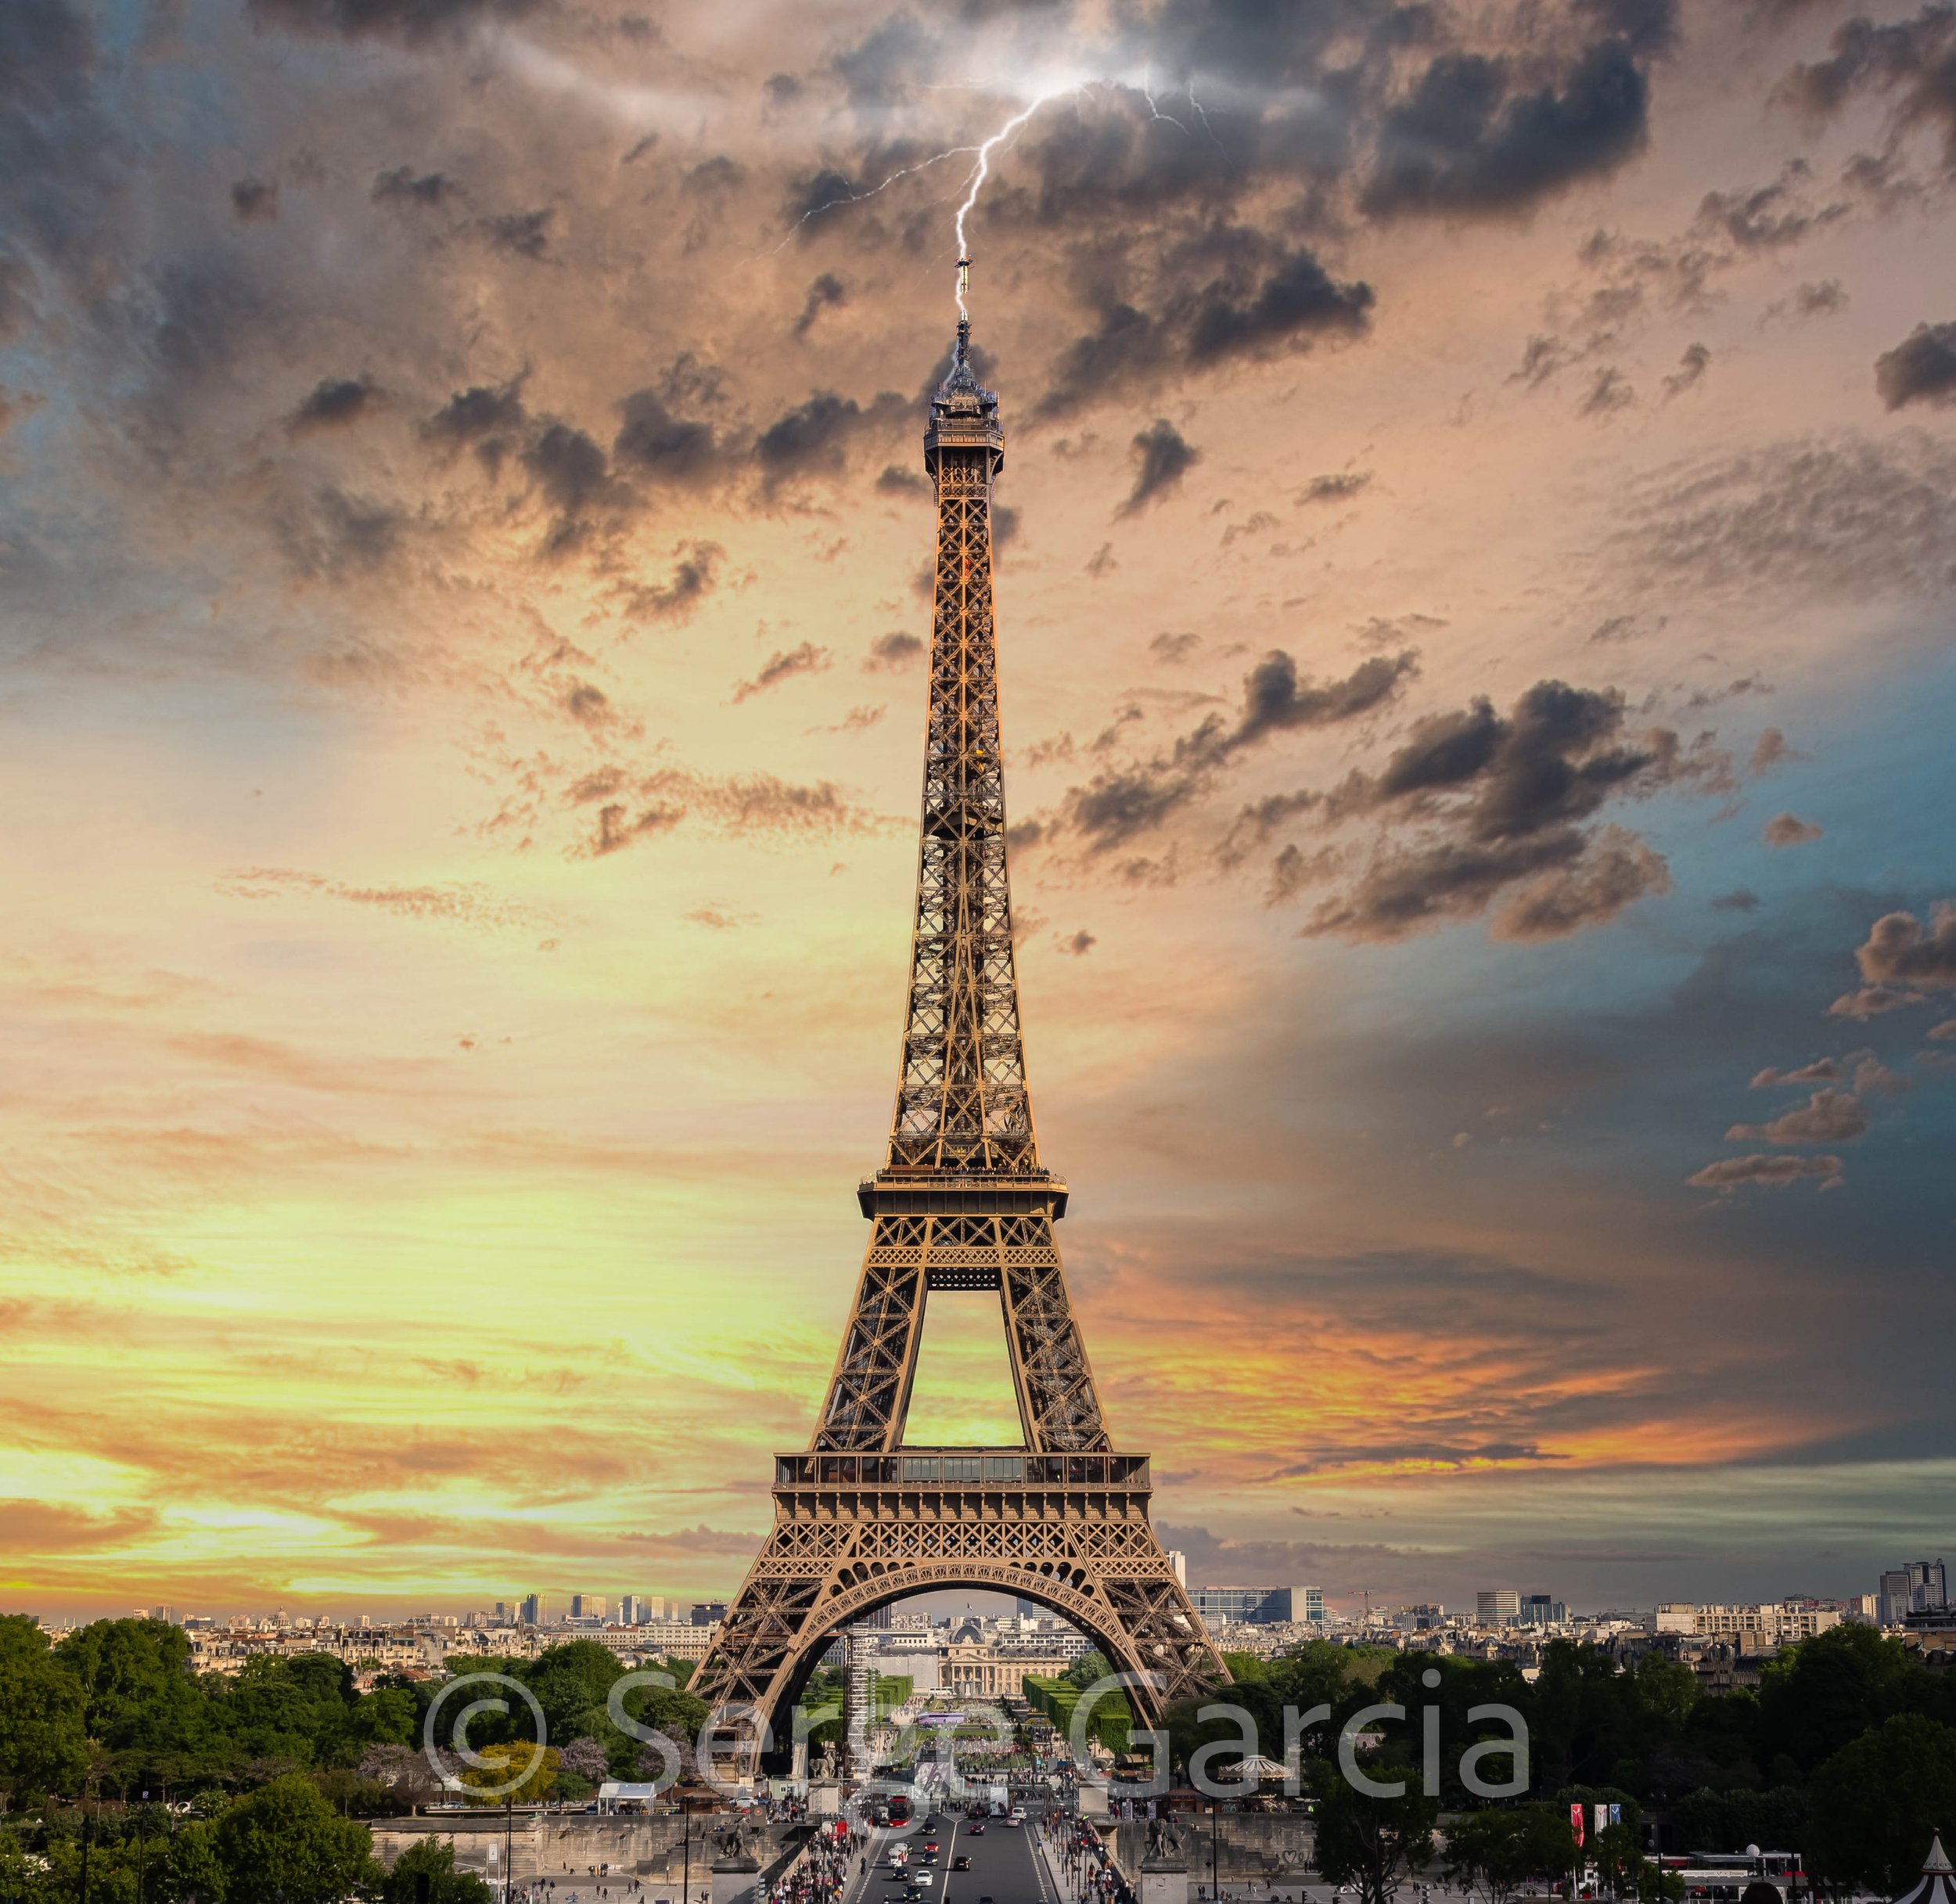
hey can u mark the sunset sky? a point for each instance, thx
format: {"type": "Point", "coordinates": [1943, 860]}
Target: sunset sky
{"type": "Point", "coordinates": [1477, 557]}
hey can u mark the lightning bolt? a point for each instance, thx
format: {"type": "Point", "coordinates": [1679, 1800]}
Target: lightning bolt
{"type": "Point", "coordinates": [981, 170]}
{"type": "Point", "coordinates": [857, 198]}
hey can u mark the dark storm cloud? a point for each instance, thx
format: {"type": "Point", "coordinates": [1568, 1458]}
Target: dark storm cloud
{"type": "Point", "coordinates": [1339, 488]}
{"type": "Point", "coordinates": [414, 22]}
{"type": "Point", "coordinates": [814, 438]}
{"type": "Point", "coordinates": [1613, 873]}
{"type": "Point", "coordinates": [1257, 297]}
{"type": "Point", "coordinates": [572, 474]}
{"type": "Point", "coordinates": [667, 449]}
{"type": "Point", "coordinates": [520, 234]}
{"type": "Point", "coordinates": [891, 652]}
{"type": "Point", "coordinates": [1467, 140]}
{"type": "Point", "coordinates": [1912, 61]}
{"type": "Point", "coordinates": [1555, 758]}
{"type": "Point", "coordinates": [1495, 802]}
{"type": "Point", "coordinates": [827, 292]}
{"type": "Point", "coordinates": [1120, 803]}
{"type": "Point", "coordinates": [485, 417]}
{"type": "Point", "coordinates": [1295, 297]}
{"type": "Point", "coordinates": [1405, 890]}
{"type": "Point", "coordinates": [405, 186]}
{"type": "Point", "coordinates": [568, 467]}
{"type": "Point", "coordinates": [253, 201]}
{"type": "Point", "coordinates": [331, 535]}
{"type": "Point", "coordinates": [696, 570]}
{"type": "Point", "coordinates": [63, 158]}
{"type": "Point", "coordinates": [1691, 367]}
{"type": "Point", "coordinates": [1921, 369]}
{"type": "Point", "coordinates": [1769, 216]}
{"type": "Point", "coordinates": [1163, 456]}
{"type": "Point", "coordinates": [332, 403]}
{"type": "Point", "coordinates": [783, 665]}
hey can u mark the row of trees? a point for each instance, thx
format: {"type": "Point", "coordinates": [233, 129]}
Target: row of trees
{"type": "Point", "coordinates": [283, 1844]}
{"type": "Point", "coordinates": [1845, 1752]}
{"type": "Point", "coordinates": [1110, 1718]}
{"type": "Point", "coordinates": [116, 1709]}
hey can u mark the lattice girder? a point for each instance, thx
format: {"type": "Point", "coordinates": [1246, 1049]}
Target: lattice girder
{"type": "Point", "coordinates": [836, 1553]}
{"type": "Point", "coordinates": [961, 1204]}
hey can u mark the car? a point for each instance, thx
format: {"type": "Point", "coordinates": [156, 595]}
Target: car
{"type": "Point", "coordinates": [978, 1829]}
{"type": "Point", "coordinates": [961, 1864]}
{"type": "Point", "coordinates": [930, 1844]}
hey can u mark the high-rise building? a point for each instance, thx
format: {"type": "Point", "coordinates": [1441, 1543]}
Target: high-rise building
{"type": "Point", "coordinates": [708, 1612]}
{"type": "Point", "coordinates": [1313, 1605]}
{"type": "Point", "coordinates": [1179, 1561]}
{"type": "Point", "coordinates": [1256, 1606]}
{"type": "Point", "coordinates": [1916, 1586]}
{"type": "Point", "coordinates": [535, 1610]}
{"type": "Point", "coordinates": [1497, 1606]}
{"type": "Point", "coordinates": [1542, 1609]}
{"type": "Point", "coordinates": [588, 1606]}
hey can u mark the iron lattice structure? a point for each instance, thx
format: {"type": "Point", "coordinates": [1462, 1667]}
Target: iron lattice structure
{"type": "Point", "coordinates": [961, 1203]}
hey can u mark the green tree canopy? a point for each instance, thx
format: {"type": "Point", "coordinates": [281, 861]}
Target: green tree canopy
{"type": "Point", "coordinates": [446, 1885]}
{"type": "Point", "coordinates": [285, 1844]}
{"type": "Point", "coordinates": [1819, 1695]}
{"type": "Point", "coordinates": [44, 1742]}
{"type": "Point", "coordinates": [1877, 1800]}
{"type": "Point", "coordinates": [1373, 1843]}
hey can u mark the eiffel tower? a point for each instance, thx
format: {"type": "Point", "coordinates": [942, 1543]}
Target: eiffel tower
{"type": "Point", "coordinates": [962, 1202]}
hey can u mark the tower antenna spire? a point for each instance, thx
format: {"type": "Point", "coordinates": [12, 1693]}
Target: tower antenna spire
{"type": "Point", "coordinates": [964, 292]}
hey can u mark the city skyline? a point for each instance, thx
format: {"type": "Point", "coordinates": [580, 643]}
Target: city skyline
{"type": "Point", "coordinates": [1474, 589]}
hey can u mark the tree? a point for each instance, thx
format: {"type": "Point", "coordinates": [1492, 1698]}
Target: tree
{"type": "Point", "coordinates": [141, 1703]}
{"type": "Point", "coordinates": [679, 1714]}
{"type": "Point", "coordinates": [1818, 1696]}
{"type": "Point", "coordinates": [284, 1845]}
{"type": "Point", "coordinates": [1878, 1799]}
{"type": "Point", "coordinates": [1372, 1842]}
{"type": "Point", "coordinates": [533, 1768]}
{"type": "Point", "coordinates": [446, 1885]}
{"type": "Point", "coordinates": [1625, 1872]}
{"type": "Point", "coordinates": [44, 1745]}
{"type": "Point", "coordinates": [405, 1774]}
{"type": "Point", "coordinates": [1498, 1851]}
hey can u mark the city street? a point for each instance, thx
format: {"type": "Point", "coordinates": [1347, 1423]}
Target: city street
{"type": "Point", "coordinates": [1005, 1866]}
